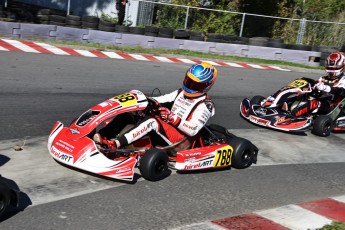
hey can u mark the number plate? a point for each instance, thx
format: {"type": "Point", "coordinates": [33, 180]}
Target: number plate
{"type": "Point", "coordinates": [298, 83]}
{"type": "Point", "coordinates": [223, 156]}
{"type": "Point", "coordinates": [126, 99]}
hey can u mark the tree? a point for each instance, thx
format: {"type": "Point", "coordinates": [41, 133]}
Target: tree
{"type": "Point", "coordinates": [200, 19]}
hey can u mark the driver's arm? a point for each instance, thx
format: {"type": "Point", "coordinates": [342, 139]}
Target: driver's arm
{"type": "Point", "coordinates": [197, 119]}
{"type": "Point", "coordinates": [170, 97]}
{"type": "Point", "coordinates": [339, 88]}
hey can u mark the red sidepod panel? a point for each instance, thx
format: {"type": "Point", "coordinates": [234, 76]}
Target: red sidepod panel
{"type": "Point", "coordinates": [218, 155]}
{"type": "Point", "coordinates": [69, 151]}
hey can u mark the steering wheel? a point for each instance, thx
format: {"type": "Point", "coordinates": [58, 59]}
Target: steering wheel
{"type": "Point", "coordinates": [152, 106]}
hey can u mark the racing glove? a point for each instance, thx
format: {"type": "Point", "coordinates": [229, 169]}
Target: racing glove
{"type": "Point", "coordinates": [322, 87]}
{"type": "Point", "coordinates": [169, 116]}
{"type": "Point", "coordinates": [267, 101]}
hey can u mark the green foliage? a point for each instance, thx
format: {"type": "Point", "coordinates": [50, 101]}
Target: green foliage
{"type": "Point", "coordinates": [334, 226]}
{"type": "Point", "coordinates": [199, 20]}
{"type": "Point", "coordinates": [316, 33]}
{"type": "Point", "coordinates": [206, 21]}
{"type": "Point", "coordinates": [320, 10]}
{"type": "Point", "coordinates": [108, 17]}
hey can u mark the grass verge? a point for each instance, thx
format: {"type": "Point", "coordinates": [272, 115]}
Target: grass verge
{"type": "Point", "coordinates": [334, 226]}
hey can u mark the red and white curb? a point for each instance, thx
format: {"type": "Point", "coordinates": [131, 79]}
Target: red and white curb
{"type": "Point", "coordinates": [43, 48]}
{"type": "Point", "coordinates": [302, 216]}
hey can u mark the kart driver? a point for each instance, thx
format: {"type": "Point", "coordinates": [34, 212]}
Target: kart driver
{"type": "Point", "coordinates": [334, 82]}
{"type": "Point", "coordinates": [185, 111]}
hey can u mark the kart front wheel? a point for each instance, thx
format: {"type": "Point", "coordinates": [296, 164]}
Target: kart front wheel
{"type": "Point", "coordinates": [5, 198]}
{"type": "Point", "coordinates": [256, 100]}
{"type": "Point", "coordinates": [245, 153]}
{"type": "Point", "coordinates": [154, 165]}
{"type": "Point", "coordinates": [322, 126]}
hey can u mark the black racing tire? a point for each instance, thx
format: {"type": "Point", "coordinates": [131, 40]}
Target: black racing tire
{"type": "Point", "coordinates": [106, 23]}
{"type": "Point", "coordinates": [106, 28]}
{"type": "Point", "coordinates": [73, 23]}
{"type": "Point", "coordinates": [90, 19]}
{"type": "Point", "coordinates": [276, 43]}
{"type": "Point", "coordinates": [165, 35]}
{"type": "Point", "coordinates": [5, 198]}
{"type": "Point", "coordinates": [215, 36]}
{"type": "Point", "coordinates": [73, 17]}
{"type": "Point", "coordinates": [57, 23]}
{"type": "Point", "coordinates": [181, 34]}
{"type": "Point", "coordinates": [245, 40]}
{"type": "Point", "coordinates": [230, 37]}
{"type": "Point", "coordinates": [151, 34]}
{"type": "Point", "coordinates": [78, 27]}
{"type": "Point", "coordinates": [136, 30]}
{"type": "Point", "coordinates": [151, 29]}
{"type": "Point", "coordinates": [196, 34]}
{"type": "Point", "coordinates": [122, 28]}
{"type": "Point", "coordinates": [245, 153]}
{"type": "Point", "coordinates": [166, 31]}
{"type": "Point", "coordinates": [197, 38]}
{"type": "Point", "coordinates": [322, 126]}
{"type": "Point", "coordinates": [58, 18]}
{"type": "Point", "coordinates": [45, 22]}
{"type": "Point", "coordinates": [256, 100]}
{"type": "Point", "coordinates": [43, 17]}
{"type": "Point", "coordinates": [89, 25]}
{"type": "Point", "coordinates": [44, 12]}
{"type": "Point", "coordinates": [237, 42]}
{"type": "Point", "coordinates": [154, 165]}
{"type": "Point", "coordinates": [258, 41]}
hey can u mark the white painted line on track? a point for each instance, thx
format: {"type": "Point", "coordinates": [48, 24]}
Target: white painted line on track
{"type": "Point", "coordinates": [21, 46]}
{"type": "Point", "coordinates": [256, 66]}
{"type": "Point", "coordinates": [234, 64]}
{"type": "Point", "coordinates": [187, 61]}
{"type": "Point", "coordinates": [52, 49]}
{"type": "Point", "coordinates": [295, 217]}
{"type": "Point", "coordinates": [112, 55]}
{"type": "Point", "coordinates": [139, 57]}
{"type": "Point", "coordinates": [339, 198]}
{"type": "Point", "coordinates": [163, 59]}
{"type": "Point", "coordinates": [3, 49]}
{"type": "Point", "coordinates": [86, 53]}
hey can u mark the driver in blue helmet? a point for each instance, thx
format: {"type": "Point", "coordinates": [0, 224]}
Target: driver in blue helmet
{"type": "Point", "coordinates": [186, 111]}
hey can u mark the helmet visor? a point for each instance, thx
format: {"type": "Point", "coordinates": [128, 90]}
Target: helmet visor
{"type": "Point", "coordinates": [196, 86]}
{"type": "Point", "coordinates": [334, 68]}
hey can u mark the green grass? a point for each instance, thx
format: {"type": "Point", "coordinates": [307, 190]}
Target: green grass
{"type": "Point", "coordinates": [177, 53]}
{"type": "Point", "coordinates": [334, 226]}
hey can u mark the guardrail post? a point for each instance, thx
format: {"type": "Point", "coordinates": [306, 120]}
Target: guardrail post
{"type": "Point", "coordinates": [242, 23]}
{"type": "Point", "coordinates": [186, 20]}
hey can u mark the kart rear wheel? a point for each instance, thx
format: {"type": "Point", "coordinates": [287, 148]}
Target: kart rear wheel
{"type": "Point", "coordinates": [5, 198]}
{"type": "Point", "coordinates": [322, 126]}
{"type": "Point", "coordinates": [245, 153]}
{"type": "Point", "coordinates": [154, 165]}
{"type": "Point", "coordinates": [256, 100]}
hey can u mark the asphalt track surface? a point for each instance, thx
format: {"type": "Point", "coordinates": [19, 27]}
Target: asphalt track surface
{"type": "Point", "coordinates": [37, 89]}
